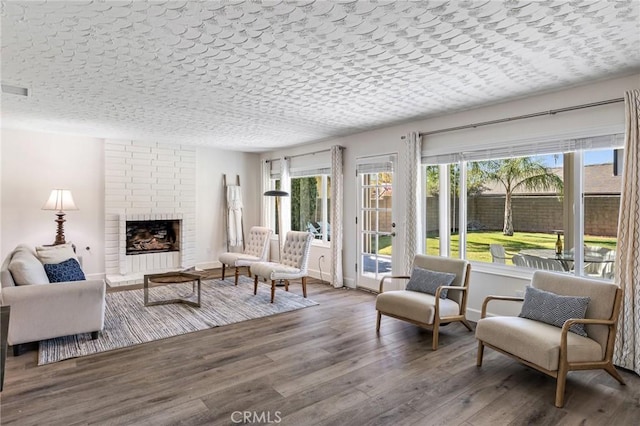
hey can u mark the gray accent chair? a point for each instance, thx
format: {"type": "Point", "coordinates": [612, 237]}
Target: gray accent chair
{"type": "Point", "coordinates": [41, 310]}
{"type": "Point", "coordinates": [553, 350]}
{"type": "Point", "coordinates": [256, 250]}
{"type": "Point", "coordinates": [293, 265]}
{"type": "Point", "coordinates": [426, 310]}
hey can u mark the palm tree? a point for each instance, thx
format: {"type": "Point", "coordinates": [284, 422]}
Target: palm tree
{"type": "Point", "coordinates": [518, 173]}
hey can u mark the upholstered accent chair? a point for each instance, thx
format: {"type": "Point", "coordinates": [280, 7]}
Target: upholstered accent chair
{"type": "Point", "coordinates": [293, 265]}
{"type": "Point", "coordinates": [429, 309]}
{"type": "Point", "coordinates": [533, 340]}
{"type": "Point", "coordinates": [256, 250]}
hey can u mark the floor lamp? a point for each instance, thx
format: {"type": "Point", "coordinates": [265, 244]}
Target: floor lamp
{"type": "Point", "coordinates": [277, 193]}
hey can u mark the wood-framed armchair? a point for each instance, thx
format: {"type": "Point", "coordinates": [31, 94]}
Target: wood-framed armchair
{"type": "Point", "coordinates": [551, 349]}
{"type": "Point", "coordinates": [426, 310]}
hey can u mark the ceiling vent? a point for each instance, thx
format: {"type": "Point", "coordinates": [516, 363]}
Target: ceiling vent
{"type": "Point", "coordinates": [15, 90]}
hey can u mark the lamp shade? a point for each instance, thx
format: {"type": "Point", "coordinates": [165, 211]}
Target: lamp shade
{"type": "Point", "coordinates": [276, 193]}
{"type": "Point", "coordinates": [60, 200]}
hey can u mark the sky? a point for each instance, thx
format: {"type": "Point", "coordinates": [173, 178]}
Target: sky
{"type": "Point", "coordinates": [604, 156]}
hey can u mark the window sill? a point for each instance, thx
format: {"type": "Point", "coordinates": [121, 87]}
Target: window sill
{"type": "Point", "coordinates": [502, 270]}
{"type": "Point", "coordinates": [320, 243]}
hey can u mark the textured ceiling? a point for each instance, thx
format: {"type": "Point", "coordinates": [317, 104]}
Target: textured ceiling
{"type": "Point", "coordinates": [251, 76]}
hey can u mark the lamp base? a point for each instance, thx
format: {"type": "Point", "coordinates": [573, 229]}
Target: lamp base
{"type": "Point", "coordinates": [60, 232]}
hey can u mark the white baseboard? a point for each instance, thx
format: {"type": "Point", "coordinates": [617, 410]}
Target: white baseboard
{"type": "Point", "coordinates": [473, 314]}
{"type": "Point", "coordinates": [209, 265]}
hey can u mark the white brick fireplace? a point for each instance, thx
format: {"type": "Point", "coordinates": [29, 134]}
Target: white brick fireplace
{"type": "Point", "coordinates": [147, 181]}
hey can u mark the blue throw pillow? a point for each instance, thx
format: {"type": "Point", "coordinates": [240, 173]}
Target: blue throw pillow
{"type": "Point", "coordinates": [427, 281]}
{"type": "Point", "coordinates": [69, 270]}
{"type": "Point", "coordinates": [554, 309]}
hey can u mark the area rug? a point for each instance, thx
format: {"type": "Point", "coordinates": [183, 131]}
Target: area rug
{"type": "Point", "coordinates": [128, 322]}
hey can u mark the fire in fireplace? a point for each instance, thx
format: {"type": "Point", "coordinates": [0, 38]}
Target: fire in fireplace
{"type": "Point", "coordinates": [152, 236]}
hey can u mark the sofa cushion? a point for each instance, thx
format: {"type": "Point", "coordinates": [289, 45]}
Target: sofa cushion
{"type": "Point", "coordinates": [554, 309]}
{"type": "Point", "coordinates": [55, 254]}
{"type": "Point", "coordinates": [428, 281]}
{"type": "Point", "coordinates": [69, 270]}
{"type": "Point", "coordinates": [26, 269]}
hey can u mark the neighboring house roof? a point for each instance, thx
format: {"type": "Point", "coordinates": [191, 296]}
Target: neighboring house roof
{"type": "Point", "coordinates": [598, 179]}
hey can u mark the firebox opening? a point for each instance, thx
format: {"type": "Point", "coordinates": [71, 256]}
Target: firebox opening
{"type": "Point", "coordinates": [152, 236]}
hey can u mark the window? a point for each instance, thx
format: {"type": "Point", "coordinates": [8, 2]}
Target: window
{"type": "Point", "coordinates": [530, 210]}
{"type": "Point", "coordinates": [310, 203]}
{"type": "Point", "coordinates": [432, 214]}
{"type": "Point", "coordinates": [601, 198]}
{"type": "Point", "coordinates": [514, 206]}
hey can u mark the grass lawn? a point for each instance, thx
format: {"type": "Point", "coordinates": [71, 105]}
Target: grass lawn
{"type": "Point", "coordinates": [478, 243]}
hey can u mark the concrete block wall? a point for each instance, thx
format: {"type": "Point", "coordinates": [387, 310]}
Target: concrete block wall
{"type": "Point", "coordinates": [154, 180]}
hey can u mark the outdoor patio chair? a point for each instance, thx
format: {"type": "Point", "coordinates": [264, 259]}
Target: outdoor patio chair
{"type": "Point", "coordinates": [498, 254]}
{"type": "Point", "coordinates": [536, 262]}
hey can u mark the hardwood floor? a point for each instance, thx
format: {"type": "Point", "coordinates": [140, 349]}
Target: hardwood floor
{"type": "Point", "coordinates": [322, 365]}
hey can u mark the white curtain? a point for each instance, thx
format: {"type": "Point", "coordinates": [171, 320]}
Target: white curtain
{"type": "Point", "coordinates": [627, 264]}
{"type": "Point", "coordinates": [411, 185]}
{"type": "Point", "coordinates": [285, 202]}
{"type": "Point", "coordinates": [337, 189]}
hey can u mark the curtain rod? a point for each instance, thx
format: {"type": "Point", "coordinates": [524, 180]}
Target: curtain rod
{"type": "Point", "coordinates": [520, 117]}
{"type": "Point", "coordinates": [312, 153]}
{"type": "Point", "coordinates": [306, 153]}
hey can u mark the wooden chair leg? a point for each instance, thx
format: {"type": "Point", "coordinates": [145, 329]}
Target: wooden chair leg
{"type": "Point", "coordinates": [466, 324]}
{"type": "Point", "coordinates": [237, 274]}
{"type": "Point", "coordinates": [560, 384]}
{"type": "Point", "coordinates": [273, 290]}
{"type": "Point", "coordinates": [304, 286]}
{"type": "Point", "coordinates": [255, 285]}
{"type": "Point", "coordinates": [378, 322]}
{"type": "Point", "coordinates": [223, 267]}
{"type": "Point", "coordinates": [480, 353]}
{"type": "Point", "coordinates": [614, 373]}
{"type": "Point", "coordinates": [95, 335]}
{"type": "Point", "coordinates": [434, 345]}
{"type": "Point", "coordinates": [286, 285]}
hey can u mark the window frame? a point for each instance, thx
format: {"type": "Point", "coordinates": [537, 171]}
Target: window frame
{"type": "Point", "coordinates": [571, 149]}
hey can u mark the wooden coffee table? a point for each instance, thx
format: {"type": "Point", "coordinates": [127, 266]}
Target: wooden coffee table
{"type": "Point", "coordinates": [172, 278]}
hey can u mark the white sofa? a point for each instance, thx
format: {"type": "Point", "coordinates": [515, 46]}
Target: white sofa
{"type": "Point", "coordinates": [41, 310]}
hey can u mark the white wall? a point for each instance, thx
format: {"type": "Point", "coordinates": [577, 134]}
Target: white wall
{"type": "Point", "coordinates": [33, 164]}
{"type": "Point", "coordinates": [485, 278]}
{"type": "Point", "coordinates": [211, 165]}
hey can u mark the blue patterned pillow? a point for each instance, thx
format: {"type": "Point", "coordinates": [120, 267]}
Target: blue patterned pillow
{"type": "Point", "coordinates": [554, 309]}
{"type": "Point", "coordinates": [69, 270]}
{"type": "Point", "coordinates": [427, 281]}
